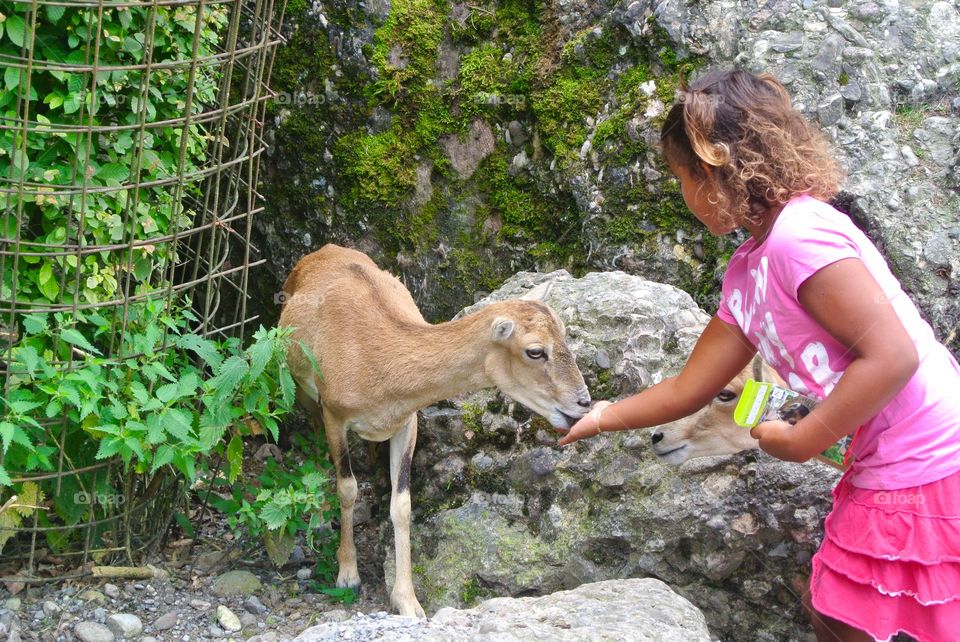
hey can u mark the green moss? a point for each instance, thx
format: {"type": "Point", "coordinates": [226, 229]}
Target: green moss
{"type": "Point", "coordinates": [606, 386]}
{"type": "Point", "coordinates": [526, 214]}
{"type": "Point", "coordinates": [560, 108]}
{"type": "Point", "coordinates": [380, 165]}
{"type": "Point", "coordinates": [844, 79]}
{"type": "Point", "coordinates": [405, 48]}
{"type": "Point", "coordinates": [472, 414]}
{"type": "Point", "coordinates": [470, 590]}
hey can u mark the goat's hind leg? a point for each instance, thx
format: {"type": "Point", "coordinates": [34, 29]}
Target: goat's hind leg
{"type": "Point", "coordinates": [401, 455]}
{"type": "Point", "coordinates": [336, 431]}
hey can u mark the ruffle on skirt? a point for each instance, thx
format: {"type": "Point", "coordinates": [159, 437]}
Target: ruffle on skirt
{"type": "Point", "coordinates": [890, 560]}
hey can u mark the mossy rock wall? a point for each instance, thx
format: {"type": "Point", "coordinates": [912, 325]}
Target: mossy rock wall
{"type": "Point", "coordinates": [459, 143]}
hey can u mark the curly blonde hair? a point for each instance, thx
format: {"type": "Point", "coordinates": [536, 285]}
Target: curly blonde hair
{"type": "Point", "coordinates": [762, 151]}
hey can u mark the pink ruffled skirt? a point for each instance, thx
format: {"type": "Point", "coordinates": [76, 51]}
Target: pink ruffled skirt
{"type": "Point", "coordinates": [890, 560]}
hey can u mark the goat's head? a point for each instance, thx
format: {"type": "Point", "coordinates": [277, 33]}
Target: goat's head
{"type": "Point", "coordinates": [711, 430]}
{"type": "Point", "coordinates": [530, 361]}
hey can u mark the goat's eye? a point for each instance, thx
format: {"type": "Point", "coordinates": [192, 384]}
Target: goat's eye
{"type": "Point", "coordinates": [536, 353]}
{"type": "Point", "coordinates": [726, 395]}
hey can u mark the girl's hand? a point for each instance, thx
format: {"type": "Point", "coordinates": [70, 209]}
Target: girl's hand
{"type": "Point", "coordinates": [586, 427]}
{"type": "Point", "coordinates": [776, 438]}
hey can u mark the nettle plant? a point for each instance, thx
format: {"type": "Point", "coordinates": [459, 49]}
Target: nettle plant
{"type": "Point", "coordinates": [107, 167]}
{"type": "Point", "coordinates": [182, 401]}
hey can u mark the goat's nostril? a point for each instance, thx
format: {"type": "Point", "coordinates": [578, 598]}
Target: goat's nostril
{"type": "Point", "coordinates": [585, 402]}
{"type": "Point", "coordinates": [656, 437]}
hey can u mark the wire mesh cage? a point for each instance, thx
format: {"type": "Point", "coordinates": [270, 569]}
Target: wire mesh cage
{"type": "Point", "coordinates": [130, 135]}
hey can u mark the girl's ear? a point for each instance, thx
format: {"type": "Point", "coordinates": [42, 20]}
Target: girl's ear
{"type": "Point", "coordinates": [707, 169]}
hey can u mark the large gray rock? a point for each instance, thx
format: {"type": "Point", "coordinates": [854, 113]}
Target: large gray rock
{"type": "Point", "coordinates": [636, 609]}
{"type": "Point", "coordinates": [500, 510]}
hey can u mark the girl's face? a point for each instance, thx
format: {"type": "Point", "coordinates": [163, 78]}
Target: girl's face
{"type": "Point", "coordinates": [695, 191]}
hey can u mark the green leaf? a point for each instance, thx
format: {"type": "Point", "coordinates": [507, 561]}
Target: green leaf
{"type": "Point", "coordinates": [35, 323]}
{"type": "Point", "coordinates": [163, 457]}
{"type": "Point", "coordinates": [167, 392]}
{"type": "Point", "coordinates": [177, 423]}
{"type": "Point", "coordinates": [308, 352]}
{"type": "Point", "coordinates": [109, 446]}
{"type": "Point", "coordinates": [235, 457]}
{"type": "Point", "coordinates": [48, 282]}
{"type": "Point", "coordinates": [260, 353]}
{"type": "Point", "coordinates": [288, 387]}
{"type": "Point", "coordinates": [113, 173]}
{"type": "Point", "coordinates": [12, 77]}
{"type": "Point", "coordinates": [4, 477]}
{"type": "Point", "coordinates": [6, 433]}
{"type": "Point", "coordinates": [228, 377]}
{"type": "Point", "coordinates": [15, 30]}
{"type": "Point", "coordinates": [20, 407]}
{"type": "Point", "coordinates": [203, 348]}
{"type": "Point", "coordinates": [27, 355]}
{"type": "Point", "coordinates": [53, 409]}
{"type": "Point", "coordinates": [54, 12]}
{"type": "Point", "coordinates": [274, 516]}
{"type": "Point", "coordinates": [139, 392]}
{"type": "Point", "coordinates": [73, 336]}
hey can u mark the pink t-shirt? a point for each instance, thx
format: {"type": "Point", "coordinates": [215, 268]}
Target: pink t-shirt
{"type": "Point", "coordinates": [915, 439]}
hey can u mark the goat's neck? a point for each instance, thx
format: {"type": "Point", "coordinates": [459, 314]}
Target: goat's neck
{"type": "Point", "coordinates": [450, 359]}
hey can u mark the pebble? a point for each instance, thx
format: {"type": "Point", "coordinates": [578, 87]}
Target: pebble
{"type": "Point", "coordinates": [100, 615]}
{"type": "Point", "coordinates": [235, 583]}
{"type": "Point", "coordinates": [304, 573]}
{"type": "Point", "coordinates": [125, 625]}
{"type": "Point", "coordinates": [253, 605]}
{"type": "Point", "coordinates": [166, 621]}
{"type": "Point", "coordinates": [200, 605]}
{"type": "Point", "coordinates": [248, 619]}
{"type": "Point", "coordinates": [12, 603]}
{"type": "Point", "coordinates": [92, 596]}
{"type": "Point", "coordinates": [92, 632]}
{"type": "Point", "coordinates": [228, 619]}
{"type": "Point", "coordinates": [111, 590]}
{"type": "Point", "coordinates": [51, 608]}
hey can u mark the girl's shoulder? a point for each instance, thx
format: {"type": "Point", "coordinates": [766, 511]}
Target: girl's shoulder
{"type": "Point", "coordinates": [805, 219]}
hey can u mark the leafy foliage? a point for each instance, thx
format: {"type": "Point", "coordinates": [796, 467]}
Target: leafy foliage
{"type": "Point", "coordinates": [152, 410]}
{"type": "Point", "coordinates": [284, 499]}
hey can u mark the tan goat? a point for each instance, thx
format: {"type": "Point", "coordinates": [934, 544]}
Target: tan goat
{"type": "Point", "coordinates": [711, 430]}
{"type": "Point", "coordinates": [380, 363]}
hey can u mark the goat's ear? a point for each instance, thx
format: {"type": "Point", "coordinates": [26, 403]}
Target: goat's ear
{"type": "Point", "coordinates": [501, 329]}
{"type": "Point", "coordinates": [540, 292]}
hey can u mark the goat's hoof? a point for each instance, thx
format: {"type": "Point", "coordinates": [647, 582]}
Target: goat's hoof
{"type": "Point", "coordinates": [409, 608]}
{"type": "Point", "coordinates": [349, 582]}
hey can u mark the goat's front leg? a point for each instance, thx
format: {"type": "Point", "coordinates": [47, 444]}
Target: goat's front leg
{"type": "Point", "coordinates": [336, 431]}
{"type": "Point", "coordinates": [401, 455]}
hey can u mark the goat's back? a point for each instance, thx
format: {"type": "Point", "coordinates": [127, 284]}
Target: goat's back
{"type": "Point", "coordinates": [343, 306]}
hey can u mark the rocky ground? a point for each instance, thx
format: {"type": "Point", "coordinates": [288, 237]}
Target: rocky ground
{"type": "Point", "coordinates": [210, 588]}
{"type": "Point", "coordinates": [246, 600]}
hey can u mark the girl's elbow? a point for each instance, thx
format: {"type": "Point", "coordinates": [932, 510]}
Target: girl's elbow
{"type": "Point", "coordinates": [907, 362]}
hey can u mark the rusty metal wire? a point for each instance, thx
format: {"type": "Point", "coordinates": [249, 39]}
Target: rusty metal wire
{"type": "Point", "coordinates": [204, 251]}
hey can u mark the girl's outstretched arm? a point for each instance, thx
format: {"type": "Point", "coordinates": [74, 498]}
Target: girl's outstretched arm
{"type": "Point", "coordinates": [850, 305]}
{"type": "Point", "coordinates": [720, 354]}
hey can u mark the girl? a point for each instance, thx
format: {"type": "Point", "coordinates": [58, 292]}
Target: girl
{"type": "Point", "coordinates": [815, 297]}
